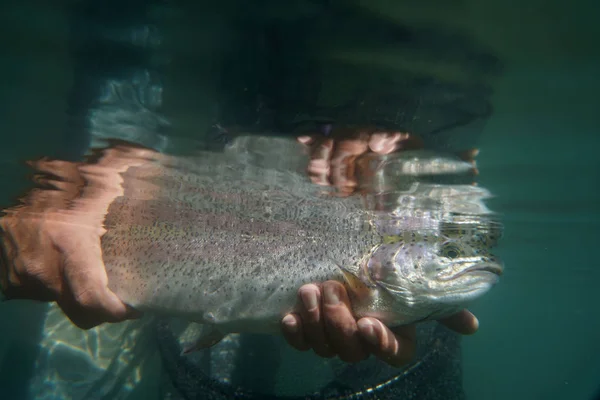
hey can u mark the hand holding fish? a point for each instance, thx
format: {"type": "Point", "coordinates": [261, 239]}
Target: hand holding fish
{"type": "Point", "coordinates": [54, 259]}
{"type": "Point", "coordinates": [169, 235]}
{"type": "Point", "coordinates": [49, 254]}
{"type": "Point", "coordinates": [325, 324]}
{"type": "Point", "coordinates": [332, 158]}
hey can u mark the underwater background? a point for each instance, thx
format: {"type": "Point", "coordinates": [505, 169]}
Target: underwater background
{"type": "Point", "coordinates": [538, 155]}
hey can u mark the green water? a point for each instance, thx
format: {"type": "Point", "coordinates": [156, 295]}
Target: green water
{"type": "Point", "coordinates": [539, 156]}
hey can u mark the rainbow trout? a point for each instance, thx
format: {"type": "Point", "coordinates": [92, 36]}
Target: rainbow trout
{"type": "Point", "coordinates": [227, 239]}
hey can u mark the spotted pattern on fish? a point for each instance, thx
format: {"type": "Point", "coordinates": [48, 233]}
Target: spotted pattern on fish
{"type": "Point", "coordinates": [227, 242]}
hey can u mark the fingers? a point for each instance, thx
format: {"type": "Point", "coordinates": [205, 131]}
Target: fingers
{"type": "Point", "coordinates": [333, 159]}
{"type": "Point", "coordinates": [463, 322]}
{"type": "Point", "coordinates": [293, 332]}
{"type": "Point", "coordinates": [343, 167]}
{"type": "Point", "coordinates": [384, 143]}
{"type": "Point", "coordinates": [395, 348]}
{"type": "Point", "coordinates": [87, 300]}
{"type": "Point", "coordinates": [319, 165]}
{"type": "Point", "coordinates": [88, 303]}
{"type": "Point", "coordinates": [312, 321]}
{"type": "Point", "coordinates": [341, 328]}
{"type": "Point", "coordinates": [325, 324]}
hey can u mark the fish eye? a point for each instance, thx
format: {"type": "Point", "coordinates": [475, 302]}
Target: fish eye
{"type": "Point", "coordinates": [451, 251]}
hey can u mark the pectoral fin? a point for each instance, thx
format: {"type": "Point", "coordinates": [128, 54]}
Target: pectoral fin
{"type": "Point", "coordinates": [358, 282]}
{"type": "Point", "coordinates": [354, 283]}
{"type": "Point", "coordinates": [198, 337]}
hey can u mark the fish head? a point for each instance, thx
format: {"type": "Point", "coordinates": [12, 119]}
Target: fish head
{"type": "Point", "coordinates": [432, 275]}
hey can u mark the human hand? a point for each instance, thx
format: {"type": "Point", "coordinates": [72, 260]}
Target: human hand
{"type": "Point", "coordinates": [325, 324]}
{"type": "Point", "coordinates": [50, 247]}
{"type": "Point", "coordinates": [333, 158]}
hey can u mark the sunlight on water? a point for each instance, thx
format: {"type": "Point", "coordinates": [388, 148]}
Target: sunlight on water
{"type": "Point", "coordinates": [77, 364]}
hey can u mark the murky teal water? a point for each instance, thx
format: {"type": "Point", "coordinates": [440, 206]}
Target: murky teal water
{"type": "Point", "coordinates": [539, 327]}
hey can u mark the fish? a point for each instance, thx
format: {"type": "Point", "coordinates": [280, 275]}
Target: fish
{"type": "Point", "coordinates": [226, 239]}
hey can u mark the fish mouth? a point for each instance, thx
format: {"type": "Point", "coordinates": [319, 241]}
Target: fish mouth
{"type": "Point", "coordinates": [491, 268]}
